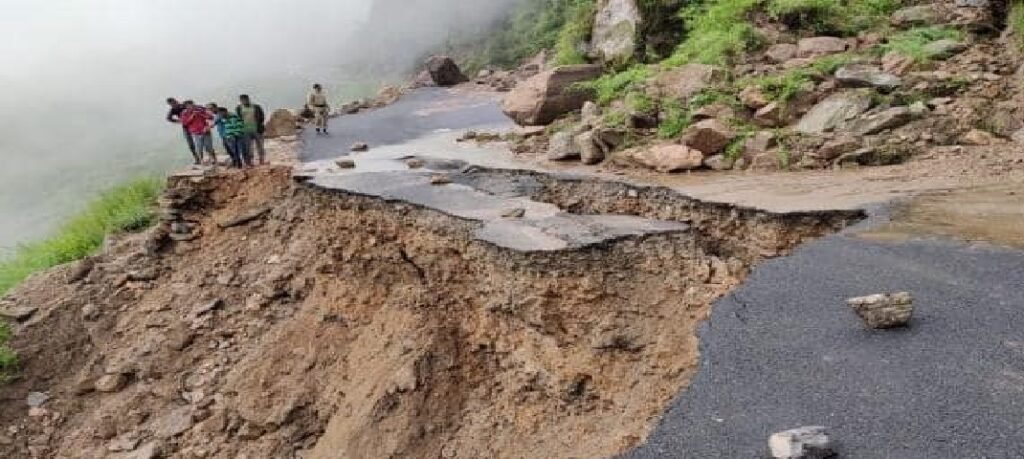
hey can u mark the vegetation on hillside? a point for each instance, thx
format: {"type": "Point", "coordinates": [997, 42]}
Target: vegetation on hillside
{"type": "Point", "coordinates": [8, 359]}
{"type": "Point", "coordinates": [125, 208]}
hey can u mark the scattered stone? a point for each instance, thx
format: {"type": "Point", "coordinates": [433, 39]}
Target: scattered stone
{"type": "Point", "coordinates": [90, 312]}
{"type": "Point", "coordinates": [550, 94]}
{"type": "Point", "coordinates": [944, 49]}
{"type": "Point", "coordinates": [440, 180]}
{"type": "Point", "coordinates": [518, 212]}
{"type": "Point", "coordinates": [360, 146]}
{"type": "Point", "coordinates": [36, 399]}
{"type": "Point", "coordinates": [444, 71]}
{"type": "Point", "coordinates": [918, 109]}
{"type": "Point", "coordinates": [561, 146]}
{"type": "Point", "coordinates": [810, 442]}
{"type": "Point", "coordinates": [616, 28]}
{"type": "Point", "coordinates": [244, 217]}
{"type": "Point", "coordinates": [590, 113]}
{"type": "Point", "coordinates": [110, 383]}
{"type": "Point", "coordinates": [897, 63]}
{"type": "Point", "coordinates": [37, 412]}
{"type": "Point", "coordinates": [917, 15]}
{"type": "Point", "coordinates": [820, 46]}
{"type": "Point", "coordinates": [884, 310]}
{"type": "Point", "coordinates": [837, 147]}
{"type": "Point", "coordinates": [669, 157]}
{"type": "Point", "coordinates": [978, 137]}
{"type": "Point", "coordinates": [414, 163]}
{"type": "Point", "coordinates": [753, 98]}
{"type": "Point", "coordinates": [173, 424]}
{"type": "Point", "coordinates": [864, 75]}
{"type": "Point", "coordinates": [886, 119]}
{"type": "Point", "coordinates": [758, 144]}
{"type": "Point", "coordinates": [718, 163]}
{"type": "Point", "coordinates": [708, 136]}
{"type": "Point", "coordinates": [150, 450]}
{"type": "Point", "coordinates": [345, 163]}
{"type": "Point", "coordinates": [590, 152]}
{"type": "Point", "coordinates": [17, 313]}
{"type": "Point", "coordinates": [781, 52]}
{"type": "Point", "coordinates": [685, 81]}
{"type": "Point", "coordinates": [80, 270]}
{"type": "Point", "coordinates": [207, 307]}
{"type": "Point", "coordinates": [770, 115]}
{"type": "Point", "coordinates": [282, 122]}
{"type": "Point", "coordinates": [834, 111]}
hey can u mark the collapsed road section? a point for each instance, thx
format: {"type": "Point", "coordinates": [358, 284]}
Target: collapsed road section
{"type": "Point", "coordinates": [435, 312]}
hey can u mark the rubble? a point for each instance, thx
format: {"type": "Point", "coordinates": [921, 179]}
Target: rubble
{"type": "Point", "coordinates": [884, 310]}
{"type": "Point", "coordinates": [801, 443]}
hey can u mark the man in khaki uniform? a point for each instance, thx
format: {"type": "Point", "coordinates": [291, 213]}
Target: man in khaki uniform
{"type": "Point", "coordinates": [317, 102]}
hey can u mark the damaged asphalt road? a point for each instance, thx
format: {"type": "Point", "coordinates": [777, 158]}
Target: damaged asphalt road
{"type": "Point", "coordinates": [785, 351]}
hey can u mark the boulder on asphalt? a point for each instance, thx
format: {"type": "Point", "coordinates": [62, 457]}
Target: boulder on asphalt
{"type": "Point", "coordinates": [590, 152]}
{"type": "Point", "coordinates": [282, 122]}
{"type": "Point", "coordinates": [917, 15]}
{"type": "Point", "coordinates": [834, 111]}
{"type": "Point", "coordinates": [345, 163]}
{"type": "Point", "coordinates": [884, 310]}
{"type": "Point", "coordinates": [709, 136]}
{"type": "Point", "coordinates": [550, 94]}
{"type": "Point", "coordinates": [867, 76]}
{"type": "Point", "coordinates": [877, 122]}
{"type": "Point", "coordinates": [359, 147]}
{"type": "Point", "coordinates": [444, 71]}
{"type": "Point", "coordinates": [820, 46]}
{"type": "Point", "coordinates": [944, 49]}
{"type": "Point", "coordinates": [781, 52]}
{"type": "Point", "coordinates": [668, 157]}
{"type": "Point", "coordinates": [561, 147]}
{"type": "Point", "coordinates": [616, 28]}
{"type": "Point", "coordinates": [684, 82]}
{"type": "Point", "coordinates": [809, 442]}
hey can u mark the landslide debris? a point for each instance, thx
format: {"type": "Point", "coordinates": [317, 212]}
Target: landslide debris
{"type": "Point", "coordinates": [280, 319]}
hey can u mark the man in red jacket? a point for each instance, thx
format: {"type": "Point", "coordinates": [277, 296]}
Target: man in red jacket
{"type": "Point", "coordinates": [197, 121]}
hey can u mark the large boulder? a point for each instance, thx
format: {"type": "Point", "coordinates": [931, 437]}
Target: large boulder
{"type": "Point", "coordinates": [616, 26]}
{"type": "Point", "coordinates": [668, 157]}
{"type": "Point", "coordinates": [866, 75]}
{"type": "Point", "coordinates": [444, 71]}
{"type": "Point", "coordinates": [917, 15]}
{"type": "Point", "coordinates": [590, 151]}
{"type": "Point", "coordinates": [550, 94]}
{"type": "Point", "coordinates": [684, 82]}
{"type": "Point", "coordinates": [282, 123]}
{"type": "Point", "coordinates": [709, 136]}
{"type": "Point", "coordinates": [834, 111]}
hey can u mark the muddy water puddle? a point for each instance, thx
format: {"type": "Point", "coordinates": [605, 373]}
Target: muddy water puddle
{"type": "Point", "coordinates": [991, 214]}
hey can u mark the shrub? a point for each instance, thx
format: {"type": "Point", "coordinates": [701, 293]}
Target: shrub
{"type": "Point", "coordinates": [832, 16]}
{"type": "Point", "coordinates": [614, 86]}
{"type": "Point", "coordinates": [913, 43]}
{"type": "Point", "coordinates": [717, 32]}
{"type": "Point", "coordinates": [128, 207]}
{"type": "Point", "coordinates": [579, 22]}
{"type": "Point", "coordinates": [674, 118]}
{"type": "Point", "coordinates": [1015, 19]}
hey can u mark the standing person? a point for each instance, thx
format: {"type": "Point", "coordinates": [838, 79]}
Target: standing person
{"type": "Point", "coordinates": [235, 139]}
{"type": "Point", "coordinates": [198, 122]}
{"type": "Point", "coordinates": [317, 101]}
{"type": "Point", "coordinates": [218, 123]}
{"type": "Point", "coordinates": [174, 116]}
{"type": "Point", "coordinates": [254, 119]}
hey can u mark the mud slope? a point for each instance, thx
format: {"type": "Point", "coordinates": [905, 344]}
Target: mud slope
{"type": "Point", "coordinates": [270, 317]}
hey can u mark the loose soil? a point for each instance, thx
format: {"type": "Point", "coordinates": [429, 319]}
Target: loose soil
{"type": "Point", "coordinates": [325, 324]}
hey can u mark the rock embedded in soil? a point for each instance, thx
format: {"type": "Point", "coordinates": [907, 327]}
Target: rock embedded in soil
{"type": "Point", "coordinates": [810, 442]}
{"type": "Point", "coordinates": [708, 136]}
{"type": "Point", "coordinates": [781, 52]}
{"type": "Point", "coordinates": [864, 75]}
{"type": "Point", "coordinates": [874, 123]}
{"type": "Point", "coordinates": [36, 399]}
{"type": "Point", "coordinates": [17, 313]}
{"type": "Point", "coordinates": [110, 383]}
{"type": "Point", "coordinates": [820, 46]}
{"type": "Point", "coordinates": [944, 49]}
{"type": "Point", "coordinates": [835, 111]}
{"type": "Point", "coordinates": [883, 310]}
{"type": "Point", "coordinates": [684, 81]}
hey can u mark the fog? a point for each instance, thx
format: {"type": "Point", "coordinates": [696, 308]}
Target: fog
{"type": "Point", "coordinates": [83, 86]}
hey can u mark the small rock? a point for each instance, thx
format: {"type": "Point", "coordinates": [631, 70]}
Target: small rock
{"type": "Point", "coordinates": [110, 383]}
{"type": "Point", "coordinates": [918, 109]}
{"type": "Point", "coordinates": [802, 443]}
{"type": "Point", "coordinates": [837, 147]}
{"type": "Point", "coordinates": [345, 163]}
{"type": "Point", "coordinates": [150, 450]}
{"type": "Point", "coordinates": [36, 399]}
{"type": "Point", "coordinates": [944, 49]}
{"type": "Point", "coordinates": [916, 16]}
{"type": "Point", "coordinates": [360, 146]}
{"type": "Point", "coordinates": [862, 75]}
{"type": "Point", "coordinates": [708, 136]}
{"type": "Point", "coordinates": [518, 212]}
{"type": "Point", "coordinates": [590, 152]}
{"type": "Point", "coordinates": [753, 98]}
{"type": "Point", "coordinates": [17, 313]}
{"type": "Point", "coordinates": [781, 52]}
{"type": "Point", "coordinates": [769, 116]}
{"type": "Point", "coordinates": [884, 310]}
{"type": "Point", "coordinates": [207, 307]}
{"type": "Point", "coordinates": [38, 412]}
{"type": "Point", "coordinates": [820, 46]}
{"type": "Point", "coordinates": [897, 63]}
{"type": "Point", "coordinates": [440, 180]}
{"type": "Point", "coordinates": [561, 146]}
{"type": "Point", "coordinates": [414, 163]}
{"type": "Point", "coordinates": [718, 163]}
{"type": "Point", "coordinates": [978, 137]}
{"type": "Point", "coordinates": [176, 423]}
{"type": "Point", "coordinates": [143, 275]}
{"type": "Point", "coordinates": [668, 157]}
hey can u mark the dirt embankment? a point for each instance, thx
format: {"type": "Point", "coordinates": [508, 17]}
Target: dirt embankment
{"type": "Point", "coordinates": [326, 324]}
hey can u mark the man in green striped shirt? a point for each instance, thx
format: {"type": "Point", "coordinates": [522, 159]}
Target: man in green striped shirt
{"type": "Point", "coordinates": [235, 137]}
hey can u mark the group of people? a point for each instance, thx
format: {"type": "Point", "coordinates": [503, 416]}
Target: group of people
{"type": "Point", "coordinates": [241, 130]}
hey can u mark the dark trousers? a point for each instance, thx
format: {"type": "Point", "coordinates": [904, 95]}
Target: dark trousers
{"type": "Point", "coordinates": [191, 144]}
{"type": "Point", "coordinates": [239, 151]}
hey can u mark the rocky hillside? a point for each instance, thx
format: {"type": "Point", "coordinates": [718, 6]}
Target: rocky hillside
{"type": "Point", "coordinates": [776, 84]}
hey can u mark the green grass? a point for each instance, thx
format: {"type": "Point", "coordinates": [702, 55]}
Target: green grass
{"type": "Point", "coordinates": [717, 32]}
{"type": "Point", "coordinates": [912, 43]}
{"type": "Point", "coordinates": [677, 116]}
{"type": "Point", "coordinates": [614, 86]}
{"type": "Point", "coordinates": [8, 359]}
{"type": "Point", "coordinates": [579, 22]}
{"type": "Point", "coordinates": [1015, 19]}
{"type": "Point", "coordinates": [128, 207]}
{"type": "Point", "coordinates": [843, 17]}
